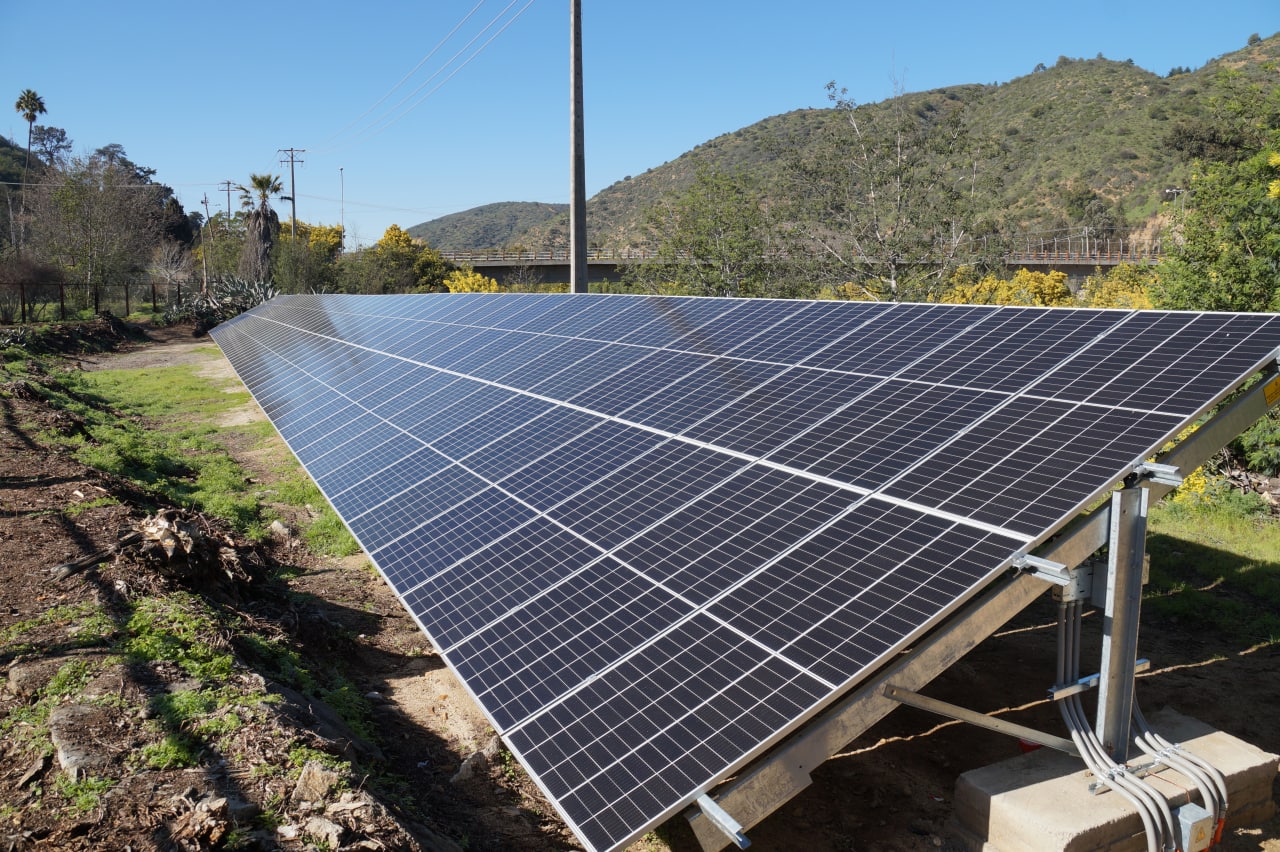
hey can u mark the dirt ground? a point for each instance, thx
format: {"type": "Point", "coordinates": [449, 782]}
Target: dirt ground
{"type": "Point", "coordinates": [889, 790]}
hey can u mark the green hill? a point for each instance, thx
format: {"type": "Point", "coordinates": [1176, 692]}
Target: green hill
{"type": "Point", "coordinates": [1093, 137]}
{"type": "Point", "coordinates": [491, 226]}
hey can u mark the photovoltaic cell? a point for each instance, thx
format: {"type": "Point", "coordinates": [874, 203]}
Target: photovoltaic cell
{"type": "Point", "coordinates": [655, 535]}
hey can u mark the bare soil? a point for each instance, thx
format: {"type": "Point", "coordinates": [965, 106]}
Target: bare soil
{"type": "Point", "coordinates": [889, 790]}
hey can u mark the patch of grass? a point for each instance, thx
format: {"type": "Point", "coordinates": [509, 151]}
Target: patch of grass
{"type": "Point", "coordinates": [301, 755]}
{"type": "Point", "coordinates": [177, 391]}
{"type": "Point", "coordinates": [278, 661]}
{"type": "Point", "coordinates": [1216, 568]}
{"type": "Point", "coordinates": [179, 627]}
{"type": "Point", "coordinates": [85, 794]}
{"type": "Point", "coordinates": [86, 625]}
{"type": "Point", "coordinates": [328, 535]}
{"type": "Point", "coordinates": [26, 726]}
{"type": "Point", "coordinates": [54, 615]}
{"type": "Point", "coordinates": [75, 509]}
{"type": "Point", "coordinates": [175, 751]}
{"type": "Point", "coordinates": [352, 707]}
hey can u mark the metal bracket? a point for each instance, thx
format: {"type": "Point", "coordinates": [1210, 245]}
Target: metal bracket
{"type": "Point", "coordinates": [1164, 474]}
{"type": "Point", "coordinates": [720, 818]}
{"type": "Point", "coordinates": [1072, 583]}
{"type": "Point", "coordinates": [1088, 682]}
{"type": "Point", "coordinates": [1045, 569]}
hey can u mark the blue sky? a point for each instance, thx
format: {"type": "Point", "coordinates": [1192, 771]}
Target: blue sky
{"type": "Point", "coordinates": [209, 92]}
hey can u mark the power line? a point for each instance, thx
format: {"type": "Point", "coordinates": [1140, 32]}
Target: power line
{"type": "Point", "coordinates": [412, 71]}
{"type": "Point", "coordinates": [390, 117]}
{"type": "Point", "coordinates": [392, 120]}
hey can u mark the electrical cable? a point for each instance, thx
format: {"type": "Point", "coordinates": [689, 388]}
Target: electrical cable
{"type": "Point", "coordinates": [390, 116]}
{"type": "Point", "coordinates": [1210, 780]}
{"type": "Point", "coordinates": [1154, 812]}
{"type": "Point", "coordinates": [412, 71]}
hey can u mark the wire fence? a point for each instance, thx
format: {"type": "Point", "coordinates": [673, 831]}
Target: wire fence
{"type": "Point", "coordinates": [22, 302]}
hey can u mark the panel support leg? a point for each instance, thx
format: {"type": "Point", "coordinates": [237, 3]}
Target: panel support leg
{"type": "Point", "coordinates": [1120, 621]}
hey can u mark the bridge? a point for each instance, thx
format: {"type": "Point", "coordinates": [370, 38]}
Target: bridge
{"type": "Point", "coordinates": [1077, 256]}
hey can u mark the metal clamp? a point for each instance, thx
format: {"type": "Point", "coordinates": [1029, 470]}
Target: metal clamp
{"type": "Point", "coordinates": [1164, 474]}
{"type": "Point", "coordinates": [1072, 583]}
{"type": "Point", "coordinates": [1045, 569]}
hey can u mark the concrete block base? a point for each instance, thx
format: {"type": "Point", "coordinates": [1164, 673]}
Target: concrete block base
{"type": "Point", "coordinates": [1041, 801]}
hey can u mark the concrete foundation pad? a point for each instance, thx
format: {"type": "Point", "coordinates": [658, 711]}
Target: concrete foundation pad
{"type": "Point", "coordinates": [1041, 801]}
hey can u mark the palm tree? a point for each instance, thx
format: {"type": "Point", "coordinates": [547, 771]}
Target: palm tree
{"type": "Point", "coordinates": [30, 106]}
{"type": "Point", "coordinates": [262, 224]}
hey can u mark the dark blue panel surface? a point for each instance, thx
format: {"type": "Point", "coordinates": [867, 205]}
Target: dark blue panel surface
{"type": "Point", "coordinates": [654, 535]}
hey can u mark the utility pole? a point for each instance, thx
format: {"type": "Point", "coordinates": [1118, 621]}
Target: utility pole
{"type": "Point", "coordinates": [293, 193]}
{"type": "Point", "coordinates": [204, 252]}
{"type": "Point", "coordinates": [342, 211]}
{"type": "Point", "coordinates": [578, 170]}
{"type": "Point", "coordinates": [228, 186]}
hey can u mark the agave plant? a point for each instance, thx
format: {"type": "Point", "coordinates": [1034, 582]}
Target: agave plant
{"type": "Point", "coordinates": [224, 299]}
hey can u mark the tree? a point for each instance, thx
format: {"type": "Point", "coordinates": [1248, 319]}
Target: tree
{"type": "Point", "coordinates": [307, 262]}
{"type": "Point", "coordinates": [98, 220]}
{"type": "Point", "coordinates": [715, 238]}
{"type": "Point", "coordinates": [1042, 289]}
{"type": "Point", "coordinates": [29, 106]}
{"type": "Point", "coordinates": [1124, 286]}
{"type": "Point", "coordinates": [470, 281]}
{"type": "Point", "coordinates": [889, 199]}
{"type": "Point", "coordinates": [52, 144]}
{"type": "Point", "coordinates": [1229, 255]}
{"type": "Point", "coordinates": [431, 269]}
{"type": "Point", "coordinates": [262, 225]}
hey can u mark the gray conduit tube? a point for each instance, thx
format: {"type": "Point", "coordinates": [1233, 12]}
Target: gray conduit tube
{"type": "Point", "coordinates": [1159, 807]}
{"type": "Point", "coordinates": [1208, 778]}
{"type": "Point", "coordinates": [1090, 750]}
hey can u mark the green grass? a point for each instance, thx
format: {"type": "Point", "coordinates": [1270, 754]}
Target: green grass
{"type": "Point", "coordinates": [184, 629]}
{"type": "Point", "coordinates": [26, 726]}
{"type": "Point", "coordinates": [1216, 569]}
{"type": "Point", "coordinates": [83, 625]}
{"type": "Point", "coordinates": [177, 391]}
{"type": "Point", "coordinates": [85, 794]}
{"type": "Point", "coordinates": [167, 443]}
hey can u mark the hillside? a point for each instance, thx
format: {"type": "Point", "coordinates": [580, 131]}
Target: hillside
{"type": "Point", "coordinates": [1080, 130]}
{"type": "Point", "coordinates": [491, 226]}
{"type": "Point", "coordinates": [11, 159]}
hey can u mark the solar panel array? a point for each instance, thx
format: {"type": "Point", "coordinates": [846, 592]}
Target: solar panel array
{"type": "Point", "coordinates": [654, 535]}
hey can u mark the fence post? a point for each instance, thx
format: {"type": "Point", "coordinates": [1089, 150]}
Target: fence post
{"type": "Point", "coordinates": [127, 307]}
{"type": "Point", "coordinates": [62, 301]}
{"type": "Point", "coordinates": [22, 300]}
{"type": "Point", "coordinates": [154, 307]}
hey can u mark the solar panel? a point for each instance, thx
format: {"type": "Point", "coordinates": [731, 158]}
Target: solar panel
{"type": "Point", "coordinates": [655, 535]}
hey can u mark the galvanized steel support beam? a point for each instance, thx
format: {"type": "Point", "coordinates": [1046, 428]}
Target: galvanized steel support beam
{"type": "Point", "coordinates": [1120, 619]}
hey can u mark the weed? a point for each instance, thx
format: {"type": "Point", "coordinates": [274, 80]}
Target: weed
{"type": "Point", "coordinates": [75, 509]}
{"type": "Point", "coordinates": [179, 627]}
{"type": "Point", "coordinates": [300, 756]}
{"type": "Point", "coordinates": [175, 751]}
{"type": "Point", "coordinates": [329, 536]}
{"type": "Point", "coordinates": [27, 725]}
{"type": "Point", "coordinates": [83, 795]}
{"type": "Point", "coordinates": [280, 662]}
{"type": "Point", "coordinates": [351, 706]}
